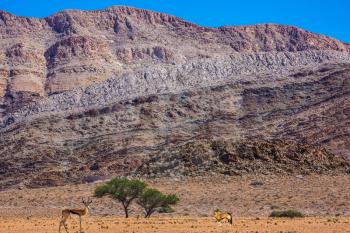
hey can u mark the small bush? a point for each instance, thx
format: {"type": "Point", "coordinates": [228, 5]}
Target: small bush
{"type": "Point", "coordinates": [91, 113]}
{"type": "Point", "coordinates": [256, 183]}
{"type": "Point", "coordinates": [166, 209]}
{"type": "Point", "coordinates": [286, 214]}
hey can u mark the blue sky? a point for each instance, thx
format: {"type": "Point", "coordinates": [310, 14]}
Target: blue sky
{"type": "Point", "coordinates": [331, 18]}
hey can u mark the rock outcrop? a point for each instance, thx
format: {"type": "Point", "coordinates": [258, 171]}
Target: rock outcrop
{"type": "Point", "coordinates": [207, 157]}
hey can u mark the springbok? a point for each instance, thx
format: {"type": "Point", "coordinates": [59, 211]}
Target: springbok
{"type": "Point", "coordinates": [80, 212]}
{"type": "Point", "coordinates": [219, 216]}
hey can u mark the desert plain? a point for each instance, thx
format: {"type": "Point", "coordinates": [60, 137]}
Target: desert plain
{"type": "Point", "coordinates": [179, 224]}
{"type": "Point", "coordinates": [245, 119]}
{"type": "Point", "coordinates": [324, 199]}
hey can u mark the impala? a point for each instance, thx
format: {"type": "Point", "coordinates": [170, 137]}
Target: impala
{"type": "Point", "coordinates": [80, 212]}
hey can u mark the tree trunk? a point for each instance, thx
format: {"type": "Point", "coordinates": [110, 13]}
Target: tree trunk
{"type": "Point", "coordinates": [126, 211]}
{"type": "Point", "coordinates": [149, 213]}
{"type": "Point", "coordinates": [146, 212]}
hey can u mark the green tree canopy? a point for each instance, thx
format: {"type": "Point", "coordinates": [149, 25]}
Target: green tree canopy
{"type": "Point", "coordinates": [152, 200]}
{"type": "Point", "coordinates": [123, 190]}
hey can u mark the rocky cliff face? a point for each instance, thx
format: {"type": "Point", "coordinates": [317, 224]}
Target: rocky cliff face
{"type": "Point", "coordinates": [72, 49]}
{"type": "Point", "coordinates": [95, 94]}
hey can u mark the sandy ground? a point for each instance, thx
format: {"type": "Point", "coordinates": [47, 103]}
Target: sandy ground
{"type": "Point", "coordinates": [324, 199]}
{"type": "Point", "coordinates": [180, 224]}
{"type": "Point", "coordinates": [312, 195]}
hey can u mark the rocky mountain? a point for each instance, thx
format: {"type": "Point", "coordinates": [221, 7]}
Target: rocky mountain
{"type": "Point", "coordinates": [91, 94]}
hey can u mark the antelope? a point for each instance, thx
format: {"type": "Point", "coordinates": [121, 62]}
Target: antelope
{"type": "Point", "coordinates": [219, 216]}
{"type": "Point", "coordinates": [80, 212]}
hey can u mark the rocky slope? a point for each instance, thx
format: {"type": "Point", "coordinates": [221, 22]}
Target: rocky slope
{"type": "Point", "coordinates": [87, 95]}
{"type": "Point", "coordinates": [230, 157]}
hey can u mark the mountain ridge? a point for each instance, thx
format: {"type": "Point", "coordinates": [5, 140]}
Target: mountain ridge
{"type": "Point", "coordinates": [76, 43]}
{"type": "Point", "coordinates": [139, 11]}
{"type": "Point", "coordinates": [92, 94]}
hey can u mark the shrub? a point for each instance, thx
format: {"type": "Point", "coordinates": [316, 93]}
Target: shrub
{"type": "Point", "coordinates": [286, 214]}
{"type": "Point", "coordinates": [256, 183]}
{"type": "Point", "coordinates": [167, 209]}
{"type": "Point", "coordinates": [91, 113]}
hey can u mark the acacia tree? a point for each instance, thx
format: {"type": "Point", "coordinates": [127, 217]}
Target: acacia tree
{"type": "Point", "coordinates": [152, 200]}
{"type": "Point", "coordinates": [123, 190]}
